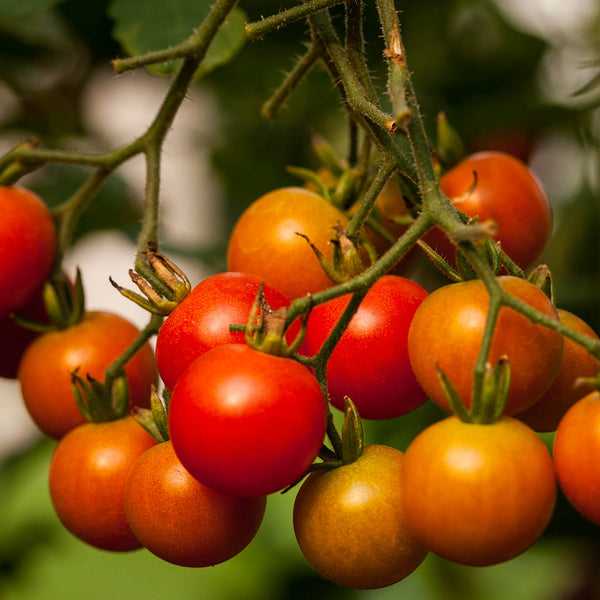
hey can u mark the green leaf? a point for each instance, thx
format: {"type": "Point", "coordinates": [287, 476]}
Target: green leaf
{"type": "Point", "coordinates": [143, 26]}
{"type": "Point", "coordinates": [10, 9]}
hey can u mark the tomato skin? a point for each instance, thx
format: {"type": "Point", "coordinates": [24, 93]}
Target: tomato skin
{"type": "Point", "coordinates": [577, 456]}
{"type": "Point", "coordinates": [507, 192]}
{"type": "Point", "coordinates": [182, 521]}
{"type": "Point", "coordinates": [87, 477]}
{"type": "Point", "coordinates": [546, 413]}
{"type": "Point", "coordinates": [264, 240]}
{"type": "Point", "coordinates": [89, 347]}
{"type": "Point", "coordinates": [478, 494]}
{"type": "Point", "coordinates": [448, 328]}
{"type": "Point", "coordinates": [245, 422]}
{"type": "Point", "coordinates": [350, 525]}
{"type": "Point", "coordinates": [28, 246]}
{"type": "Point", "coordinates": [377, 335]}
{"type": "Point", "coordinates": [202, 320]}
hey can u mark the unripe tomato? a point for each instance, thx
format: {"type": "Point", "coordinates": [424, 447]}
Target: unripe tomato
{"type": "Point", "coordinates": [202, 320]}
{"type": "Point", "coordinates": [547, 412]}
{"type": "Point", "coordinates": [350, 525]}
{"type": "Point", "coordinates": [88, 347]}
{"type": "Point", "coordinates": [182, 521]}
{"type": "Point", "coordinates": [87, 477]}
{"type": "Point", "coordinates": [264, 241]}
{"type": "Point", "coordinates": [498, 186]}
{"type": "Point", "coordinates": [577, 456]}
{"type": "Point", "coordinates": [245, 422]}
{"type": "Point", "coordinates": [447, 331]}
{"type": "Point", "coordinates": [370, 363]}
{"type": "Point", "coordinates": [27, 246]}
{"type": "Point", "coordinates": [478, 494]}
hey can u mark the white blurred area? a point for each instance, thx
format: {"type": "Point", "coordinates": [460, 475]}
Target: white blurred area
{"type": "Point", "coordinates": [118, 109]}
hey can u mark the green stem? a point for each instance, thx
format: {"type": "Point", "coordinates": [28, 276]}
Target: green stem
{"type": "Point", "coordinates": [257, 29]}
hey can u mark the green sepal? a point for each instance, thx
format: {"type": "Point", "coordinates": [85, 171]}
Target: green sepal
{"type": "Point", "coordinates": [353, 436]}
{"type": "Point", "coordinates": [101, 401]}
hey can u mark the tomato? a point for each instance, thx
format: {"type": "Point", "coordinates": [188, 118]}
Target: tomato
{"type": "Point", "coordinates": [245, 422]}
{"type": "Point", "coordinates": [264, 240]}
{"type": "Point", "coordinates": [498, 186]}
{"type": "Point", "coordinates": [447, 329]}
{"type": "Point", "coordinates": [478, 494]}
{"type": "Point", "coordinates": [577, 455]}
{"type": "Point", "coordinates": [182, 521]}
{"type": "Point", "coordinates": [28, 246]}
{"type": "Point", "coordinates": [350, 525]}
{"type": "Point", "coordinates": [87, 477]}
{"type": "Point", "coordinates": [14, 339]}
{"type": "Point", "coordinates": [546, 413]}
{"type": "Point", "coordinates": [370, 363]}
{"type": "Point", "coordinates": [202, 320]}
{"type": "Point", "coordinates": [88, 347]}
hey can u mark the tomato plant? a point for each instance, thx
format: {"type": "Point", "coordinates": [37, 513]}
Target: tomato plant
{"type": "Point", "coordinates": [182, 521]}
{"type": "Point", "coordinates": [28, 249]}
{"type": "Point", "coordinates": [478, 494]}
{"type": "Point", "coordinates": [265, 240]}
{"type": "Point", "coordinates": [88, 348]}
{"type": "Point", "coordinates": [447, 330]}
{"type": "Point", "coordinates": [245, 422]}
{"type": "Point", "coordinates": [376, 336]}
{"type": "Point", "coordinates": [576, 455]}
{"type": "Point", "coordinates": [350, 525]}
{"type": "Point", "coordinates": [498, 186]}
{"type": "Point", "coordinates": [547, 412]}
{"type": "Point", "coordinates": [87, 477]}
{"type": "Point", "coordinates": [202, 320]}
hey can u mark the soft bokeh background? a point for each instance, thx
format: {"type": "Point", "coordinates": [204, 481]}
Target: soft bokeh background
{"type": "Point", "coordinates": [504, 71]}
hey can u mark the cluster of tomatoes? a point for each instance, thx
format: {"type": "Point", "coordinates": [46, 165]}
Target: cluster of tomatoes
{"type": "Point", "coordinates": [246, 406]}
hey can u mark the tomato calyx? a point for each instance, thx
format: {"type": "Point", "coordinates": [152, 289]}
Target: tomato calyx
{"type": "Point", "coordinates": [163, 284]}
{"type": "Point", "coordinates": [101, 401]}
{"type": "Point", "coordinates": [155, 419]}
{"type": "Point", "coordinates": [489, 399]}
{"type": "Point", "coordinates": [541, 277]}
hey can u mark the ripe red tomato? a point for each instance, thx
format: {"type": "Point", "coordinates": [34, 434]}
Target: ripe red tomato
{"type": "Point", "coordinates": [447, 330]}
{"type": "Point", "coordinates": [350, 525]}
{"type": "Point", "coordinates": [88, 347]}
{"type": "Point", "coordinates": [370, 363]}
{"type": "Point", "coordinates": [506, 191]}
{"type": "Point", "coordinates": [478, 494]}
{"type": "Point", "coordinates": [577, 455]}
{"type": "Point", "coordinates": [264, 241]}
{"type": "Point", "coordinates": [87, 478]}
{"type": "Point", "coordinates": [547, 412]}
{"type": "Point", "coordinates": [182, 521]}
{"type": "Point", "coordinates": [202, 320]}
{"type": "Point", "coordinates": [246, 423]}
{"type": "Point", "coordinates": [28, 247]}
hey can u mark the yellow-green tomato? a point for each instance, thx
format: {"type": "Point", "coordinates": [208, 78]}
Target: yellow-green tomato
{"type": "Point", "coordinates": [350, 525]}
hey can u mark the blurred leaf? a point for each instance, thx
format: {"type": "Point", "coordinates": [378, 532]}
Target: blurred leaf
{"type": "Point", "coordinates": [143, 26]}
{"type": "Point", "coordinates": [20, 8]}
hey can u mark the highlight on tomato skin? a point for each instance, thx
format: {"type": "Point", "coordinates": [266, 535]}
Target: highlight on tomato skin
{"type": "Point", "coordinates": [182, 521]}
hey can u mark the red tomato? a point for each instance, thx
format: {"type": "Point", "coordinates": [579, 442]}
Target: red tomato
{"type": "Point", "coordinates": [447, 330]}
{"type": "Point", "coordinates": [246, 423]}
{"type": "Point", "coordinates": [264, 241]}
{"type": "Point", "coordinates": [202, 320]}
{"type": "Point", "coordinates": [88, 347]}
{"type": "Point", "coordinates": [577, 456]}
{"type": "Point", "coordinates": [370, 363]}
{"type": "Point", "coordinates": [28, 246]}
{"type": "Point", "coordinates": [350, 525]}
{"type": "Point", "coordinates": [506, 191]}
{"type": "Point", "coordinates": [547, 412]}
{"type": "Point", "coordinates": [181, 520]}
{"type": "Point", "coordinates": [87, 478]}
{"type": "Point", "coordinates": [478, 494]}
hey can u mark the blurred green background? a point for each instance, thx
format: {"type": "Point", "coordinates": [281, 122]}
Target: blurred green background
{"type": "Point", "coordinates": [505, 72]}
